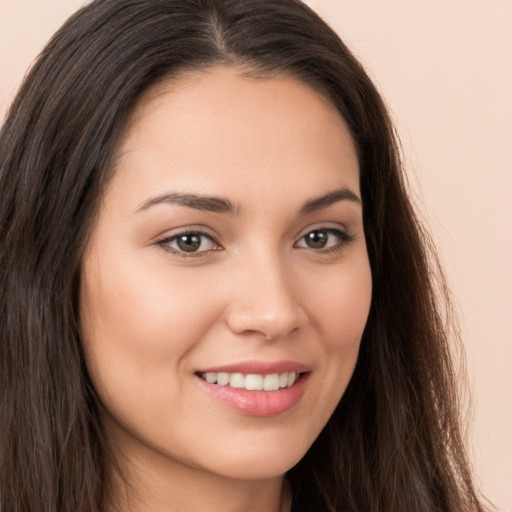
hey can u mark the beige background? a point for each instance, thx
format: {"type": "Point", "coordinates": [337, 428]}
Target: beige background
{"type": "Point", "coordinates": [445, 68]}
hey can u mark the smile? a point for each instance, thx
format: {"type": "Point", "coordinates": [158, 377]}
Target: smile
{"type": "Point", "coordinates": [251, 381]}
{"type": "Point", "coordinates": [256, 394]}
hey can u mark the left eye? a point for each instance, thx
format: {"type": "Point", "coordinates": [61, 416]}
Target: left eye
{"type": "Point", "coordinates": [190, 242]}
{"type": "Point", "coordinates": [323, 239]}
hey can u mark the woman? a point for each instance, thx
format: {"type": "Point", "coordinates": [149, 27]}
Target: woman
{"type": "Point", "coordinates": [215, 293]}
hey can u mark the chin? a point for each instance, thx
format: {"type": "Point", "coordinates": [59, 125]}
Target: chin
{"type": "Point", "coordinates": [258, 468]}
{"type": "Point", "coordinates": [260, 460]}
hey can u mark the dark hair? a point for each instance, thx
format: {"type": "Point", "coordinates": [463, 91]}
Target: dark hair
{"type": "Point", "coordinates": [394, 441]}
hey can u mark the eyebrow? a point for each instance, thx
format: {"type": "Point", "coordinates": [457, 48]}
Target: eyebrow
{"type": "Point", "coordinates": [343, 194]}
{"type": "Point", "coordinates": [205, 203]}
{"type": "Point", "coordinates": [222, 205]}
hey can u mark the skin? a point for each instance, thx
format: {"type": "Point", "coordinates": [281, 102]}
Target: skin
{"type": "Point", "coordinates": [152, 317]}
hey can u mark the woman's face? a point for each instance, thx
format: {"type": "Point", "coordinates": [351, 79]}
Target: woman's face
{"type": "Point", "coordinates": [226, 284]}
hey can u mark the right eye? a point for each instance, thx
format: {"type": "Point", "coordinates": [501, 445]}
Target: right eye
{"type": "Point", "coordinates": [189, 243]}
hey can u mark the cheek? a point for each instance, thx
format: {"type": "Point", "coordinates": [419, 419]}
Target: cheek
{"type": "Point", "coordinates": [342, 305]}
{"type": "Point", "coordinates": [341, 308]}
{"type": "Point", "coordinates": [139, 323]}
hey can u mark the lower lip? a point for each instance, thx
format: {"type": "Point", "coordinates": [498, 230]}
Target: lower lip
{"type": "Point", "coordinates": [259, 403]}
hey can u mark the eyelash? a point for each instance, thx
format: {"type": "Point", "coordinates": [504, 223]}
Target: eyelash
{"type": "Point", "coordinates": [343, 237]}
{"type": "Point", "coordinates": [165, 243]}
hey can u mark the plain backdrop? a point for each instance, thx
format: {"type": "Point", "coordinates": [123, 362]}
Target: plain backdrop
{"type": "Point", "coordinates": [445, 69]}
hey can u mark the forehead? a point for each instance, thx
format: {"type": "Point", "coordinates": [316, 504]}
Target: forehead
{"type": "Point", "coordinates": [218, 129]}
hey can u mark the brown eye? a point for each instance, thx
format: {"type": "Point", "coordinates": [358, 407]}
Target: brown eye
{"type": "Point", "coordinates": [316, 239]}
{"type": "Point", "coordinates": [189, 243]}
{"type": "Point", "coordinates": [324, 239]}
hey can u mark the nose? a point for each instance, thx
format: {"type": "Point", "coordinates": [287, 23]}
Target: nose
{"type": "Point", "coordinates": [265, 300]}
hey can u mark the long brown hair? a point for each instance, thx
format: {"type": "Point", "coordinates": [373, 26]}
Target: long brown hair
{"type": "Point", "coordinates": [394, 441]}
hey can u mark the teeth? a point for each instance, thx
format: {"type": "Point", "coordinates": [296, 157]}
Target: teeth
{"type": "Point", "coordinates": [271, 382]}
{"type": "Point", "coordinates": [237, 380]}
{"type": "Point", "coordinates": [222, 379]}
{"type": "Point", "coordinates": [252, 382]}
{"type": "Point", "coordinates": [211, 377]}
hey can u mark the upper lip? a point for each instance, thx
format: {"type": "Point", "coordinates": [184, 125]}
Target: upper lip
{"type": "Point", "coordinates": [259, 367]}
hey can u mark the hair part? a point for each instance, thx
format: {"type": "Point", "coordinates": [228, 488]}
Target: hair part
{"type": "Point", "coordinates": [394, 441]}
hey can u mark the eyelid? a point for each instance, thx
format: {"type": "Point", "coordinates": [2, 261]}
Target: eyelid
{"type": "Point", "coordinates": [343, 235]}
{"type": "Point", "coordinates": [165, 242]}
{"type": "Point", "coordinates": [326, 226]}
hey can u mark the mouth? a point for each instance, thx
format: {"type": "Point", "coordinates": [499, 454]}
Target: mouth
{"type": "Point", "coordinates": [252, 381]}
{"type": "Point", "coordinates": [257, 388]}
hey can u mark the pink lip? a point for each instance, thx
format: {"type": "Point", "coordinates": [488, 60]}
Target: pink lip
{"type": "Point", "coordinates": [259, 403]}
{"type": "Point", "coordinates": [259, 367]}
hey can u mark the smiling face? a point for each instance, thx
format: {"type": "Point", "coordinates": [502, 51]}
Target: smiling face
{"type": "Point", "coordinates": [228, 253]}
